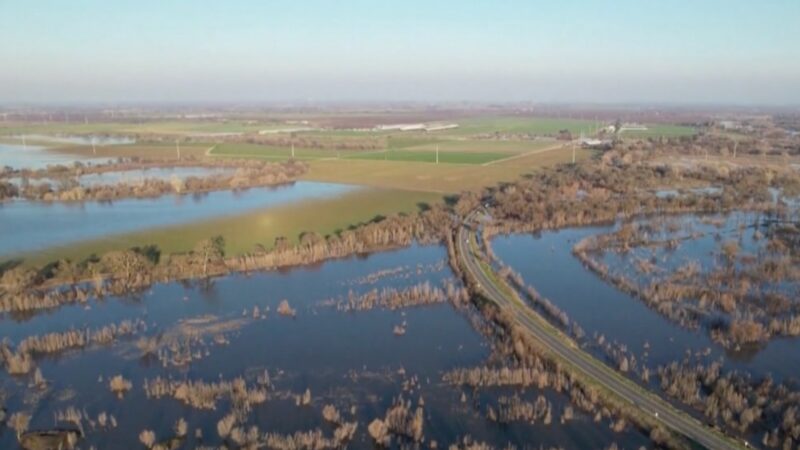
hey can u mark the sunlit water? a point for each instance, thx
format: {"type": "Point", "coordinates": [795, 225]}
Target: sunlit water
{"type": "Point", "coordinates": [28, 226]}
{"type": "Point", "coordinates": [37, 157]}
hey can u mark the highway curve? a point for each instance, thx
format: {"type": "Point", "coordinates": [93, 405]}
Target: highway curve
{"type": "Point", "coordinates": [566, 350]}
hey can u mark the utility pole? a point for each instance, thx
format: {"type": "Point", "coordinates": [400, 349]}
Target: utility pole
{"type": "Point", "coordinates": [735, 145]}
{"type": "Point", "coordinates": [178, 147]}
{"type": "Point", "coordinates": [437, 153]}
{"type": "Point", "coordinates": [573, 152]}
{"type": "Point", "coordinates": [292, 150]}
{"type": "Point", "coordinates": [94, 149]}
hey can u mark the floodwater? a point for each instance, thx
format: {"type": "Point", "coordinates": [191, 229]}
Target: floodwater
{"type": "Point", "coordinates": [29, 226]}
{"type": "Point", "coordinates": [133, 176]}
{"type": "Point", "coordinates": [348, 359]}
{"type": "Point", "coordinates": [157, 173]}
{"type": "Point", "coordinates": [37, 157]}
{"type": "Point", "coordinates": [546, 262]}
{"type": "Point", "coordinates": [79, 139]}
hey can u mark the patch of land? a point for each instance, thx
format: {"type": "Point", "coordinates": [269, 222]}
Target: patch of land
{"type": "Point", "coordinates": [255, 151]}
{"type": "Point", "coordinates": [441, 178]}
{"type": "Point", "coordinates": [243, 232]}
{"type": "Point", "coordinates": [660, 130]}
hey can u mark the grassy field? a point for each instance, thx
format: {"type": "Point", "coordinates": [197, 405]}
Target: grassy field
{"type": "Point", "coordinates": [442, 178]}
{"type": "Point", "coordinates": [485, 146]}
{"type": "Point", "coordinates": [243, 232]}
{"type": "Point", "coordinates": [271, 152]}
{"type": "Point", "coordinates": [429, 156]}
{"type": "Point", "coordinates": [533, 125]}
{"type": "Point", "coordinates": [401, 149]}
{"type": "Point", "coordinates": [659, 130]}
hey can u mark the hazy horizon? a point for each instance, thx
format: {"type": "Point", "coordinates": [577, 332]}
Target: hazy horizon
{"type": "Point", "coordinates": [677, 52]}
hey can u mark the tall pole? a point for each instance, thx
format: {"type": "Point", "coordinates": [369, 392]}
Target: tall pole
{"type": "Point", "coordinates": [437, 153]}
{"type": "Point", "coordinates": [178, 147]}
{"type": "Point", "coordinates": [94, 149]}
{"type": "Point", "coordinates": [573, 152]}
{"type": "Point", "coordinates": [292, 150]}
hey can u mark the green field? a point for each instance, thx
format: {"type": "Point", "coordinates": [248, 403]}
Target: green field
{"type": "Point", "coordinates": [476, 145]}
{"type": "Point", "coordinates": [270, 152]}
{"type": "Point", "coordinates": [429, 156]}
{"type": "Point", "coordinates": [659, 130]}
{"type": "Point", "coordinates": [542, 126]}
{"type": "Point", "coordinates": [442, 178]}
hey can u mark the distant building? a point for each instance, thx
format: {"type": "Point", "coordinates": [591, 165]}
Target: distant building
{"type": "Point", "coordinates": [599, 144]}
{"type": "Point", "coordinates": [441, 127]}
{"type": "Point", "coordinates": [633, 127]}
{"type": "Point", "coordinates": [416, 127]}
{"type": "Point", "coordinates": [730, 125]}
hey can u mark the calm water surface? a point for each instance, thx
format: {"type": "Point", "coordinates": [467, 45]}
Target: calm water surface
{"type": "Point", "coordinates": [36, 157]}
{"type": "Point", "coordinates": [346, 359]}
{"type": "Point", "coordinates": [546, 262]}
{"type": "Point", "coordinates": [28, 226]}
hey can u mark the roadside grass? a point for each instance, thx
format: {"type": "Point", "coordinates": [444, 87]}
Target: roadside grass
{"type": "Point", "coordinates": [243, 232]}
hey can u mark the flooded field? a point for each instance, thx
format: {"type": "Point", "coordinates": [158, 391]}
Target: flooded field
{"type": "Point", "coordinates": [287, 352]}
{"type": "Point", "coordinates": [131, 176]}
{"type": "Point", "coordinates": [546, 262]}
{"type": "Point", "coordinates": [38, 225]}
{"type": "Point", "coordinates": [37, 157]}
{"type": "Point", "coordinates": [79, 139]}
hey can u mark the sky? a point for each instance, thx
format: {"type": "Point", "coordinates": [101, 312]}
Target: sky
{"type": "Point", "coordinates": [625, 51]}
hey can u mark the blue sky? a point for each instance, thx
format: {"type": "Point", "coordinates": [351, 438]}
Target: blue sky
{"type": "Point", "coordinates": [595, 51]}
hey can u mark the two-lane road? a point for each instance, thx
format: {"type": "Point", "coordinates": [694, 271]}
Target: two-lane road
{"type": "Point", "coordinates": [566, 350]}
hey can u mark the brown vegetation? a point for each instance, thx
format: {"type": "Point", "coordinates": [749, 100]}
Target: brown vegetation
{"type": "Point", "coordinates": [422, 293]}
{"type": "Point", "coordinates": [399, 421]}
{"type": "Point", "coordinates": [24, 290]}
{"type": "Point", "coordinates": [739, 403]}
{"type": "Point", "coordinates": [21, 359]}
{"type": "Point", "coordinates": [243, 174]}
{"type": "Point", "coordinates": [747, 296]}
